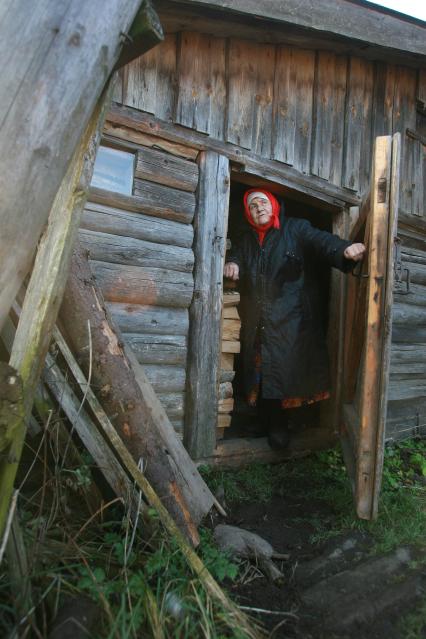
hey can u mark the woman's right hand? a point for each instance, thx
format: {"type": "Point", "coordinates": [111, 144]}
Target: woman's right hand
{"type": "Point", "coordinates": [231, 270]}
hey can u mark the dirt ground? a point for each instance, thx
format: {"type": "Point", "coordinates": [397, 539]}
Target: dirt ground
{"type": "Point", "coordinates": [338, 588]}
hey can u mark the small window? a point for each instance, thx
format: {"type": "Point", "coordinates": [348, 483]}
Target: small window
{"type": "Point", "coordinates": [113, 170]}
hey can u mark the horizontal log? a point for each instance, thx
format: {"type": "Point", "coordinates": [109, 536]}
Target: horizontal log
{"type": "Point", "coordinates": [225, 390]}
{"type": "Point", "coordinates": [125, 134]}
{"type": "Point", "coordinates": [231, 298]}
{"type": "Point", "coordinates": [117, 249]}
{"type": "Point", "coordinates": [158, 349]}
{"type": "Point", "coordinates": [173, 404]}
{"type": "Point", "coordinates": [224, 421]}
{"type": "Point", "coordinates": [416, 294]}
{"type": "Point", "coordinates": [225, 405]}
{"type": "Point", "coordinates": [402, 334]}
{"type": "Point", "coordinates": [163, 168]}
{"type": "Point", "coordinates": [163, 198]}
{"type": "Point", "coordinates": [136, 318]}
{"type": "Point", "coordinates": [231, 330]}
{"type": "Point", "coordinates": [405, 389]}
{"type": "Point", "coordinates": [408, 353]}
{"type": "Point", "coordinates": [230, 312]}
{"type": "Point", "coordinates": [408, 314]}
{"type": "Point", "coordinates": [231, 346]}
{"type": "Point", "coordinates": [227, 361]}
{"type": "Point", "coordinates": [99, 217]}
{"type": "Point", "coordinates": [417, 273]}
{"type": "Point", "coordinates": [166, 379]}
{"type": "Point", "coordinates": [138, 285]}
{"type": "Point", "coordinates": [141, 204]}
{"type": "Point", "coordinates": [226, 376]}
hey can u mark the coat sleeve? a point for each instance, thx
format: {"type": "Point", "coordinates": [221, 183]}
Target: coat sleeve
{"type": "Point", "coordinates": [325, 246]}
{"type": "Point", "coordinates": [236, 255]}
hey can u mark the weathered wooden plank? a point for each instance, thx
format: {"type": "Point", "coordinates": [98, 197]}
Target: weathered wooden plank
{"type": "Point", "coordinates": [97, 217]}
{"type": "Point", "coordinates": [149, 83]}
{"type": "Point", "coordinates": [137, 318]}
{"type": "Point", "coordinates": [330, 92]}
{"type": "Point", "coordinates": [225, 390]}
{"type": "Point", "coordinates": [404, 116]}
{"type": "Point", "coordinates": [164, 198]}
{"type": "Point", "coordinates": [158, 349]}
{"type": "Point", "coordinates": [357, 152]}
{"type": "Point", "coordinates": [226, 376]}
{"type": "Point", "coordinates": [201, 90]}
{"type": "Point", "coordinates": [140, 285]}
{"type": "Point", "coordinates": [223, 421]}
{"type": "Point", "coordinates": [119, 249]}
{"type": "Point", "coordinates": [292, 120]}
{"type": "Point", "coordinates": [163, 168]}
{"type": "Point", "coordinates": [93, 441]}
{"type": "Point", "coordinates": [206, 308]}
{"type": "Point", "coordinates": [146, 203]}
{"type": "Point", "coordinates": [250, 93]}
{"type": "Point", "coordinates": [225, 405]}
{"type": "Point", "coordinates": [334, 196]}
{"type": "Point", "coordinates": [384, 89]}
{"type": "Point", "coordinates": [121, 135]}
{"type": "Point", "coordinates": [44, 83]}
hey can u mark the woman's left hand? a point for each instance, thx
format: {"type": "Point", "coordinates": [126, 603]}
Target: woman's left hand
{"type": "Point", "coordinates": [355, 252]}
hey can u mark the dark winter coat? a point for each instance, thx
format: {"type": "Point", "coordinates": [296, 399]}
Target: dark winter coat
{"type": "Point", "coordinates": [279, 299]}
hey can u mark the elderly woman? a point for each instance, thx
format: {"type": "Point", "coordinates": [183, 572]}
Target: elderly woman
{"type": "Point", "coordinates": [284, 354]}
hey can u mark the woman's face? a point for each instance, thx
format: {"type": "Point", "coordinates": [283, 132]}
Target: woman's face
{"type": "Point", "coordinates": [260, 210]}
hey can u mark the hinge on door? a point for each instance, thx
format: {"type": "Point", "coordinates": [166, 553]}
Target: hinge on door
{"type": "Point", "coordinates": [401, 273]}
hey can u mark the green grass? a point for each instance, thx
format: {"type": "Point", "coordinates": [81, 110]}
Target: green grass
{"type": "Point", "coordinates": [322, 478]}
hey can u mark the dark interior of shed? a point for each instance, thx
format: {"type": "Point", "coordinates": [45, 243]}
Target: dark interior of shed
{"type": "Point", "coordinates": [245, 420]}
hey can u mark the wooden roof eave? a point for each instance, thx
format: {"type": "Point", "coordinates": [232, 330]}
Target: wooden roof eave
{"type": "Point", "coordinates": [346, 26]}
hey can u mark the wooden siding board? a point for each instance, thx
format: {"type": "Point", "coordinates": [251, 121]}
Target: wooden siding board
{"type": "Point", "coordinates": [384, 89]}
{"type": "Point", "coordinates": [250, 93]}
{"type": "Point", "coordinates": [150, 80]}
{"type": "Point", "coordinates": [285, 106]}
{"type": "Point", "coordinates": [201, 83]}
{"type": "Point", "coordinates": [358, 115]}
{"type": "Point", "coordinates": [330, 92]}
{"type": "Point", "coordinates": [404, 116]}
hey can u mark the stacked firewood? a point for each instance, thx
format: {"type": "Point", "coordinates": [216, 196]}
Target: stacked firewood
{"type": "Point", "coordinates": [231, 325]}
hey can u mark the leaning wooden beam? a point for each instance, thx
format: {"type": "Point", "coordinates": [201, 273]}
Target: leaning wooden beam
{"type": "Point", "coordinates": [202, 381]}
{"type": "Point", "coordinates": [93, 441]}
{"type": "Point", "coordinates": [49, 84]}
{"type": "Point", "coordinates": [121, 396]}
{"type": "Point", "coordinates": [47, 283]}
{"type": "Point", "coordinates": [234, 618]}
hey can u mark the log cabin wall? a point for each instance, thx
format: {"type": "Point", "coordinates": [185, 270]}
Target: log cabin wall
{"type": "Point", "coordinates": [319, 113]}
{"type": "Point", "coordinates": [140, 247]}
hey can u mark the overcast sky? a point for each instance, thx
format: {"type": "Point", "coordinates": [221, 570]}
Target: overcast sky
{"type": "Point", "coordinates": [416, 8]}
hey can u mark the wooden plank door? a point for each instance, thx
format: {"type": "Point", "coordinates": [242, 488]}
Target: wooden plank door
{"type": "Point", "coordinates": [368, 331]}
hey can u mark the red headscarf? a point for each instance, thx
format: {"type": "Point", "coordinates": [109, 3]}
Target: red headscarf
{"type": "Point", "coordinates": [274, 222]}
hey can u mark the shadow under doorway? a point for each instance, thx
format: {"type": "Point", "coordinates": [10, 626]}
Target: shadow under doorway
{"type": "Point", "coordinates": [246, 421]}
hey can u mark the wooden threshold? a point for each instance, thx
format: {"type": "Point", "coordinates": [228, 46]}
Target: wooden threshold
{"type": "Point", "coordinates": [242, 451]}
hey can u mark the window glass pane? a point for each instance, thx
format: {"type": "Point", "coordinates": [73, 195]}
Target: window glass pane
{"type": "Point", "coordinates": [113, 170]}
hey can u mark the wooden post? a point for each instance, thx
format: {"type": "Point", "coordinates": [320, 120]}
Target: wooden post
{"type": "Point", "coordinates": [46, 286]}
{"type": "Point", "coordinates": [210, 229]}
